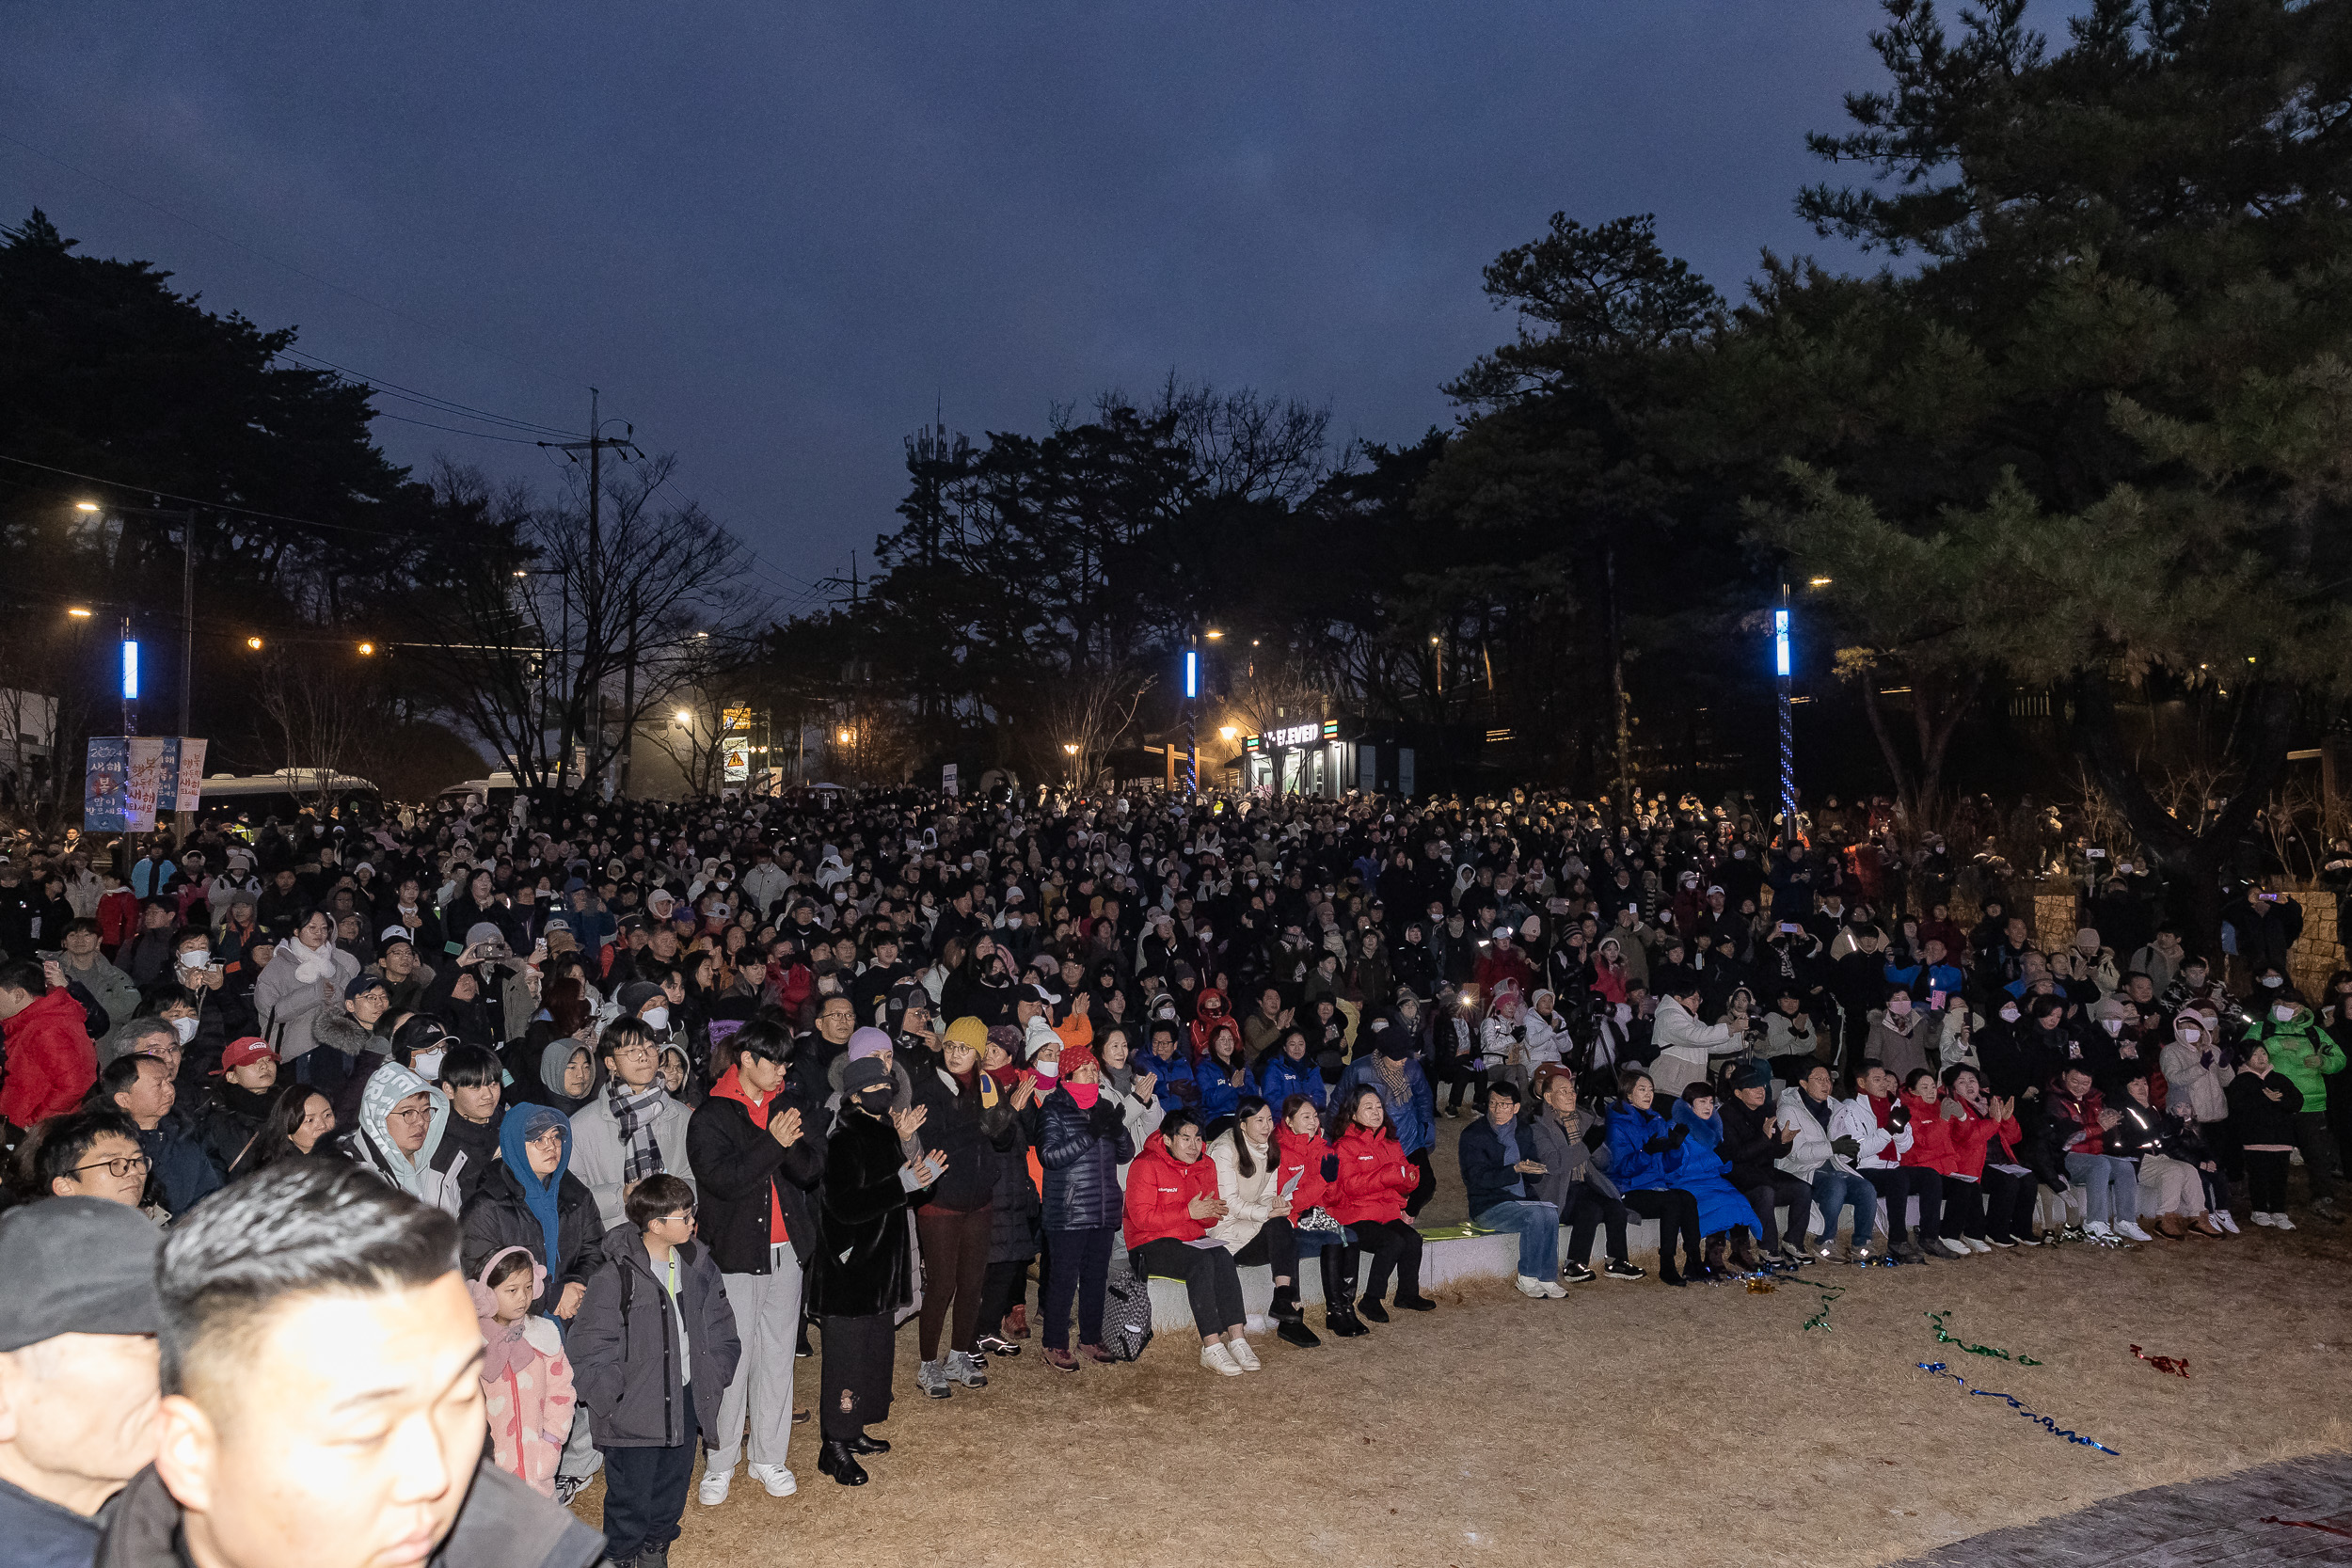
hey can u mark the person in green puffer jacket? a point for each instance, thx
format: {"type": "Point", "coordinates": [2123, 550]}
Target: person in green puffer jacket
{"type": "Point", "coordinates": [2305, 1053]}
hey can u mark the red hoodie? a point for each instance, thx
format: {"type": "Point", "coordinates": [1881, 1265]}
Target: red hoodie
{"type": "Point", "coordinates": [1160, 1192]}
{"type": "Point", "coordinates": [51, 1063]}
{"type": "Point", "coordinates": [1204, 1023]}
{"type": "Point", "coordinates": [730, 1086]}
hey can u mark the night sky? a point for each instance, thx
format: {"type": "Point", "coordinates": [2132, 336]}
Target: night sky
{"type": "Point", "coordinates": [776, 235]}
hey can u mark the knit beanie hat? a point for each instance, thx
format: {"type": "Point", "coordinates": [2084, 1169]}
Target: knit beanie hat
{"type": "Point", "coordinates": [869, 1041]}
{"type": "Point", "coordinates": [968, 1030]}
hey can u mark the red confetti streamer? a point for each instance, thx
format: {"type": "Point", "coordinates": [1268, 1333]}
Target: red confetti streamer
{"type": "Point", "coordinates": [2305, 1523]}
{"type": "Point", "coordinates": [2164, 1363]}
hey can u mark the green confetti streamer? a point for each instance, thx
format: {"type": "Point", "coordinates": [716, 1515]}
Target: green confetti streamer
{"type": "Point", "coordinates": [1943, 1339]}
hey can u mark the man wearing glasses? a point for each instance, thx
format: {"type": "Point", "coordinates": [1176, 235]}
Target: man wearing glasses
{"type": "Point", "coordinates": [633, 1130]}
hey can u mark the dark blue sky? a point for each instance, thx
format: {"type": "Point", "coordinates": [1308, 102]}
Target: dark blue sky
{"type": "Point", "coordinates": [774, 234]}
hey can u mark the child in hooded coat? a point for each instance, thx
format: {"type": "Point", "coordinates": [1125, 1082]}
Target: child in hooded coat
{"type": "Point", "coordinates": [526, 1378]}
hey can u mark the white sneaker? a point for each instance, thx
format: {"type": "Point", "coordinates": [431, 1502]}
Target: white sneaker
{"type": "Point", "coordinates": [713, 1490]}
{"type": "Point", "coordinates": [1956, 1247]}
{"type": "Point", "coordinates": [1529, 1287]}
{"type": "Point", "coordinates": [2097, 1231]}
{"type": "Point", "coordinates": [1976, 1243]}
{"type": "Point", "coordinates": [2226, 1220]}
{"type": "Point", "coordinates": [776, 1478]}
{"type": "Point", "coordinates": [1256, 1323]}
{"type": "Point", "coordinates": [2261, 1218]}
{"type": "Point", "coordinates": [2279, 1222]}
{"type": "Point", "coordinates": [1554, 1290]}
{"type": "Point", "coordinates": [2130, 1229]}
{"type": "Point", "coordinates": [1238, 1348]}
{"type": "Point", "coordinates": [1214, 1356]}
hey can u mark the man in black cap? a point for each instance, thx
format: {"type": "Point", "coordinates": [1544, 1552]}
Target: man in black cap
{"type": "Point", "coordinates": [322, 1373]}
{"type": "Point", "coordinates": [78, 1318]}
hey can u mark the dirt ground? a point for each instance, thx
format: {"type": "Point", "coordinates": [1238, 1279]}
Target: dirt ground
{"type": "Point", "coordinates": [1627, 1421]}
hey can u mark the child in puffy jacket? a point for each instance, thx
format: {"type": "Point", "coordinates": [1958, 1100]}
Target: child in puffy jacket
{"type": "Point", "coordinates": [525, 1379]}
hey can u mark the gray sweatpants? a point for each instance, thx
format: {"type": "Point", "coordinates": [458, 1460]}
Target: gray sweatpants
{"type": "Point", "coordinates": [767, 1311]}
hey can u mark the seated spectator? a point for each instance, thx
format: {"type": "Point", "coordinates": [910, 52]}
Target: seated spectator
{"type": "Point", "coordinates": [1725, 1217]}
{"type": "Point", "coordinates": [1500, 1177]}
{"type": "Point", "coordinates": [1645, 1155]}
{"type": "Point", "coordinates": [45, 1039]}
{"type": "Point", "coordinates": [1256, 1226]}
{"type": "Point", "coordinates": [2168, 1152]}
{"type": "Point", "coordinates": [301, 1124]}
{"type": "Point", "coordinates": [1289, 1069]}
{"type": "Point", "coordinates": [1171, 1202]}
{"type": "Point", "coordinates": [141, 1088]}
{"type": "Point", "coordinates": [1896, 1182]}
{"type": "Point", "coordinates": [1831, 1136]}
{"type": "Point", "coordinates": [1373, 1187]}
{"type": "Point", "coordinates": [236, 1104]}
{"type": "Point", "coordinates": [1572, 1143]}
{"type": "Point", "coordinates": [2080, 1120]}
{"type": "Point", "coordinates": [1753, 1141]}
{"type": "Point", "coordinates": [93, 1153]}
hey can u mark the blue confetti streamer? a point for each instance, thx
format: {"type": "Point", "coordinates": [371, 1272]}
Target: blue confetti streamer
{"type": "Point", "coordinates": [2057, 1431]}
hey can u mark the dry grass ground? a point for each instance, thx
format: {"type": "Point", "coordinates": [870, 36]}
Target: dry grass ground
{"type": "Point", "coordinates": [1629, 1422]}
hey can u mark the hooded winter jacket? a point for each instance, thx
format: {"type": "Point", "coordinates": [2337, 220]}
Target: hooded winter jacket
{"type": "Point", "coordinates": [370, 1144]}
{"type": "Point", "coordinates": [630, 1366]}
{"type": "Point", "coordinates": [51, 1061]}
{"type": "Point", "coordinates": [500, 1215]}
{"type": "Point", "coordinates": [2298, 1048]}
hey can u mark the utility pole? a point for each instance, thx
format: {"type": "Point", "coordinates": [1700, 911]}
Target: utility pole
{"type": "Point", "coordinates": [628, 697]}
{"type": "Point", "coordinates": [187, 610]}
{"type": "Point", "coordinates": [594, 632]}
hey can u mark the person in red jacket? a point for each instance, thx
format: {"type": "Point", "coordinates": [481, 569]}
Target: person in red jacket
{"type": "Point", "coordinates": [51, 1061]}
{"type": "Point", "coordinates": [1932, 1149]}
{"type": "Point", "coordinates": [1973, 1128]}
{"type": "Point", "coordinates": [1209, 1012]}
{"type": "Point", "coordinates": [1374, 1180]}
{"type": "Point", "coordinates": [1502, 961]}
{"type": "Point", "coordinates": [1171, 1202]}
{"type": "Point", "coordinates": [1303, 1170]}
{"type": "Point", "coordinates": [118, 911]}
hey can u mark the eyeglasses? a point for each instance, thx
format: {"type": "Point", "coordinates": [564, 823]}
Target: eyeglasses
{"type": "Point", "coordinates": [422, 1113]}
{"type": "Point", "coordinates": [118, 1167]}
{"type": "Point", "coordinates": [631, 1052]}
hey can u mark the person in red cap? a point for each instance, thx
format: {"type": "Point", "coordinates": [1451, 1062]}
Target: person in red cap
{"type": "Point", "coordinates": [237, 1102]}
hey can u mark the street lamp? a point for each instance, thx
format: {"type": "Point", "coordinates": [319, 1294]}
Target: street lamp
{"type": "Point", "coordinates": [685, 719]}
{"type": "Point", "coordinates": [185, 517]}
{"type": "Point", "coordinates": [254, 644]}
{"type": "Point", "coordinates": [366, 649]}
{"type": "Point", "coordinates": [1781, 672]}
{"type": "Point", "coordinates": [78, 613]}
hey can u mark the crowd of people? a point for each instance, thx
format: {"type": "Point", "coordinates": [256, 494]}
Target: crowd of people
{"type": "Point", "coordinates": [657, 1095]}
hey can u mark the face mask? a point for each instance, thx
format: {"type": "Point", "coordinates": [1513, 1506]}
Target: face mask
{"type": "Point", "coordinates": [2112, 1025]}
{"type": "Point", "coordinates": [2190, 1036]}
{"type": "Point", "coordinates": [187, 1027]}
{"type": "Point", "coordinates": [1085, 1094]}
{"type": "Point", "coordinates": [2272, 982]}
{"type": "Point", "coordinates": [427, 1064]}
{"type": "Point", "coordinates": [2009, 1015]}
{"type": "Point", "coordinates": [1739, 854]}
{"type": "Point", "coordinates": [655, 1017]}
{"type": "Point", "coordinates": [1900, 1007]}
{"type": "Point", "coordinates": [875, 1099]}
{"type": "Point", "coordinates": [2283, 1012]}
{"type": "Point", "coordinates": [195, 958]}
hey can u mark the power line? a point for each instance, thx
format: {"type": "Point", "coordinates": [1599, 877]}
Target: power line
{"type": "Point", "coordinates": [263, 255]}
{"type": "Point", "coordinates": [477, 434]}
{"type": "Point", "coordinates": [221, 506]}
{"type": "Point", "coordinates": [429, 400]}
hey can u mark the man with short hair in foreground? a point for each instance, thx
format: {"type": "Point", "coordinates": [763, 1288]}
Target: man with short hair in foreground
{"type": "Point", "coordinates": [322, 1406]}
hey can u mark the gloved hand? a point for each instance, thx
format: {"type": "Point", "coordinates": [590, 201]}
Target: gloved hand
{"type": "Point", "coordinates": [1673, 1139]}
{"type": "Point", "coordinates": [1595, 1135]}
{"type": "Point", "coordinates": [1899, 1118]}
{"type": "Point", "coordinates": [1105, 1119]}
{"type": "Point", "coordinates": [1658, 1146]}
{"type": "Point", "coordinates": [1849, 1147]}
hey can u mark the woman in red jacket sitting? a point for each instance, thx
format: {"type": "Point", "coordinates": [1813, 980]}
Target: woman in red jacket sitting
{"type": "Point", "coordinates": [1304, 1165]}
{"type": "Point", "coordinates": [1989, 1188]}
{"type": "Point", "coordinates": [1374, 1178]}
{"type": "Point", "coordinates": [1171, 1203]}
{"type": "Point", "coordinates": [1933, 1149]}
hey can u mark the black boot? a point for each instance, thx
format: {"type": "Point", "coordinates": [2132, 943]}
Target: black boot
{"type": "Point", "coordinates": [1339, 1296]}
{"type": "Point", "coordinates": [1290, 1322]}
{"type": "Point", "coordinates": [1712, 1265]}
{"type": "Point", "coordinates": [836, 1460]}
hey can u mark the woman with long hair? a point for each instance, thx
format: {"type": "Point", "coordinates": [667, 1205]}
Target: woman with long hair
{"type": "Point", "coordinates": [1256, 1224]}
{"type": "Point", "coordinates": [1376, 1175]}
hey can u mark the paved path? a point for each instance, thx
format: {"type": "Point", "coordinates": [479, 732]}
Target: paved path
{"type": "Point", "coordinates": [2218, 1521]}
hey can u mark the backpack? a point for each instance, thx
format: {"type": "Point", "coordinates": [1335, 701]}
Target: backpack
{"type": "Point", "coordinates": [1126, 1311]}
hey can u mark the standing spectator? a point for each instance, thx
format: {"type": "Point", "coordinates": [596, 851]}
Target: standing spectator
{"type": "Point", "coordinates": [864, 1275]}
{"type": "Point", "coordinates": [971, 1123]}
{"type": "Point", "coordinates": [526, 1378]}
{"type": "Point", "coordinates": [267, 1290]}
{"type": "Point", "coordinates": [2303, 1051]}
{"type": "Point", "coordinates": [141, 1088]}
{"type": "Point", "coordinates": [2264, 1105]}
{"type": "Point", "coordinates": [51, 1061]}
{"type": "Point", "coordinates": [531, 1200]}
{"type": "Point", "coordinates": [78, 1318]}
{"type": "Point", "coordinates": [755, 1145]}
{"type": "Point", "coordinates": [307, 974]}
{"type": "Point", "coordinates": [653, 1349]}
{"type": "Point", "coordinates": [634, 1129]}
{"type": "Point", "coordinates": [1081, 1148]}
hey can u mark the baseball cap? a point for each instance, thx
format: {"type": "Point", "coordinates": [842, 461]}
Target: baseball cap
{"type": "Point", "coordinates": [245, 1049]}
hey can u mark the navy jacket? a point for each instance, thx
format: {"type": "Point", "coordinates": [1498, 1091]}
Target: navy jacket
{"type": "Point", "coordinates": [1485, 1179]}
{"type": "Point", "coordinates": [1081, 1153]}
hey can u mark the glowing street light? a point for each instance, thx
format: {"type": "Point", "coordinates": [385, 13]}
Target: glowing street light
{"type": "Point", "coordinates": [78, 613]}
{"type": "Point", "coordinates": [366, 649]}
{"type": "Point", "coordinates": [254, 644]}
{"type": "Point", "coordinates": [86, 506]}
{"type": "Point", "coordinates": [1817, 583]}
{"type": "Point", "coordinates": [1225, 731]}
{"type": "Point", "coordinates": [685, 718]}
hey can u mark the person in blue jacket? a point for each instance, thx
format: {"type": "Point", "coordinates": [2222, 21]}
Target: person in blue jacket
{"type": "Point", "coordinates": [1644, 1157]}
{"type": "Point", "coordinates": [1223, 1076]}
{"type": "Point", "coordinates": [1288, 1069]}
{"type": "Point", "coordinates": [1933, 972]}
{"type": "Point", "coordinates": [1705, 1174]}
{"type": "Point", "coordinates": [1167, 1059]}
{"type": "Point", "coordinates": [1394, 1066]}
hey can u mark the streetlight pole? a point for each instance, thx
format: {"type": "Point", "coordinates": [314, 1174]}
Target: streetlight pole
{"type": "Point", "coordinates": [1192, 691]}
{"type": "Point", "coordinates": [185, 517]}
{"type": "Point", "coordinates": [1788, 724]}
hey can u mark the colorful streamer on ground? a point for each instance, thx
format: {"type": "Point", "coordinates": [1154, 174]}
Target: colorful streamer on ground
{"type": "Point", "coordinates": [2307, 1524]}
{"type": "Point", "coordinates": [1943, 1339]}
{"type": "Point", "coordinates": [2057, 1431]}
{"type": "Point", "coordinates": [2164, 1363]}
{"type": "Point", "coordinates": [1820, 1320]}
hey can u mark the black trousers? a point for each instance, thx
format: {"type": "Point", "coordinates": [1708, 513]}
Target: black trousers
{"type": "Point", "coordinates": [1462, 1075]}
{"type": "Point", "coordinates": [1675, 1211]}
{"type": "Point", "coordinates": [1210, 1280]}
{"type": "Point", "coordinates": [1428, 1188]}
{"type": "Point", "coordinates": [1003, 1285]}
{"type": "Point", "coordinates": [1908, 1181]}
{"type": "Point", "coordinates": [2008, 1204]}
{"type": "Point", "coordinates": [1963, 1208]}
{"type": "Point", "coordinates": [644, 1489]}
{"type": "Point", "coordinates": [2267, 1179]}
{"type": "Point", "coordinates": [1783, 1188]}
{"type": "Point", "coordinates": [1276, 1245]}
{"type": "Point", "coordinates": [1075, 1261]}
{"type": "Point", "coordinates": [1589, 1207]}
{"type": "Point", "coordinates": [1395, 1248]}
{"type": "Point", "coordinates": [855, 1373]}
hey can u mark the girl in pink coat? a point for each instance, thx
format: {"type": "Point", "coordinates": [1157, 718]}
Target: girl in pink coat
{"type": "Point", "coordinates": [525, 1377]}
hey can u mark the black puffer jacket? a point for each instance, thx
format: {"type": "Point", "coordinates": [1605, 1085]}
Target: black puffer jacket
{"type": "Point", "coordinates": [972, 1127]}
{"type": "Point", "coordinates": [1018, 1212]}
{"type": "Point", "coordinates": [1751, 1154]}
{"type": "Point", "coordinates": [496, 1218]}
{"type": "Point", "coordinates": [1082, 1152]}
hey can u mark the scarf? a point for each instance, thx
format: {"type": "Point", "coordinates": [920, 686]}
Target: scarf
{"type": "Point", "coordinates": [519, 1128]}
{"type": "Point", "coordinates": [315, 963]}
{"type": "Point", "coordinates": [634, 1115]}
{"type": "Point", "coordinates": [505, 1350]}
{"type": "Point", "coordinates": [1390, 1072]}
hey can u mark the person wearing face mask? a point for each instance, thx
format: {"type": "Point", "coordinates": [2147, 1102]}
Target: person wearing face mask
{"type": "Point", "coordinates": [2197, 1075]}
{"type": "Point", "coordinates": [1899, 1040]}
{"type": "Point", "coordinates": [2304, 1054]}
{"type": "Point", "coordinates": [865, 1272]}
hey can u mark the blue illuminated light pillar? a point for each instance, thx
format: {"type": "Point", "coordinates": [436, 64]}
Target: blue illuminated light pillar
{"type": "Point", "coordinates": [130, 681]}
{"type": "Point", "coordinates": [1788, 725]}
{"type": "Point", "coordinates": [1192, 691]}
